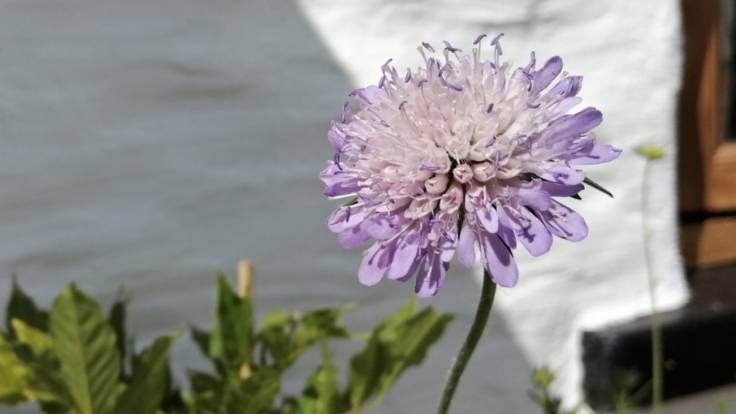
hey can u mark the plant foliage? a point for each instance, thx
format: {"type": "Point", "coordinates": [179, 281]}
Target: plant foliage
{"type": "Point", "coordinates": [77, 359]}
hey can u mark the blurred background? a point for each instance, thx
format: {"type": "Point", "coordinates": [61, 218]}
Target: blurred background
{"type": "Point", "coordinates": [147, 144]}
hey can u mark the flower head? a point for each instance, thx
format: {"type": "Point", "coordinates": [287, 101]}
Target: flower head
{"type": "Point", "coordinates": [462, 156]}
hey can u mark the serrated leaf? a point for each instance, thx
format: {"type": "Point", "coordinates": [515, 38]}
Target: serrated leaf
{"type": "Point", "coordinates": [232, 395]}
{"type": "Point", "coordinates": [47, 386]}
{"type": "Point", "coordinates": [275, 337]}
{"type": "Point", "coordinates": [231, 340]}
{"type": "Point", "coordinates": [21, 306]}
{"type": "Point", "coordinates": [319, 325]}
{"type": "Point", "coordinates": [254, 395]}
{"type": "Point", "coordinates": [287, 335]}
{"type": "Point", "coordinates": [397, 343]}
{"type": "Point", "coordinates": [15, 375]}
{"type": "Point", "coordinates": [39, 342]}
{"type": "Point", "coordinates": [86, 346]}
{"type": "Point", "coordinates": [149, 382]}
{"type": "Point", "coordinates": [43, 382]}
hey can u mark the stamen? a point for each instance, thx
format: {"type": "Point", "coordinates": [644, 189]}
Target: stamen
{"type": "Point", "coordinates": [450, 48]}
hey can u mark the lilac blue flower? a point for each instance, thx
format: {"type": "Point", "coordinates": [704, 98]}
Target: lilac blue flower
{"type": "Point", "coordinates": [461, 157]}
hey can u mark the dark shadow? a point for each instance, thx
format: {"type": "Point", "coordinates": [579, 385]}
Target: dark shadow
{"type": "Point", "coordinates": [691, 179]}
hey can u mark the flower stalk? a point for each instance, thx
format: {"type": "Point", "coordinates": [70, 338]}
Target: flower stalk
{"type": "Point", "coordinates": [652, 153]}
{"type": "Point", "coordinates": [482, 313]}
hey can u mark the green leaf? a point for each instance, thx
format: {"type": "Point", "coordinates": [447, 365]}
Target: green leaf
{"type": "Point", "coordinates": [276, 338]}
{"type": "Point", "coordinates": [319, 325]}
{"type": "Point", "coordinates": [397, 343]}
{"type": "Point", "coordinates": [254, 395]}
{"type": "Point", "coordinates": [117, 316]}
{"type": "Point", "coordinates": [43, 382]}
{"type": "Point", "coordinates": [231, 340]}
{"type": "Point", "coordinates": [86, 346]}
{"type": "Point", "coordinates": [233, 395]}
{"type": "Point", "coordinates": [203, 382]}
{"type": "Point", "coordinates": [21, 306]}
{"type": "Point", "coordinates": [149, 383]}
{"type": "Point", "coordinates": [15, 375]}
{"type": "Point", "coordinates": [206, 395]}
{"type": "Point", "coordinates": [201, 338]}
{"type": "Point", "coordinates": [321, 395]}
{"type": "Point", "coordinates": [287, 335]}
{"type": "Point", "coordinates": [39, 342]}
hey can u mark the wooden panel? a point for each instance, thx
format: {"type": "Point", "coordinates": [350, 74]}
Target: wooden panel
{"type": "Point", "coordinates": [697, 109]}
{"type": "Point", "coordinates": [721, 193]}
{"type": "Point", "coordinates": [710, 243]}
{"type": "Point", "coordinates": [707, 164]}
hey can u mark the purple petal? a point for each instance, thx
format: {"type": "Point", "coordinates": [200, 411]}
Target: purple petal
{"type": "Point", "coordinates": [352, 238]}
{"type": "Point", "coordinates": [535, 196]}
{"type": "Point", "coordinates": [344, 188]}
{"type": "Point", "coordinates": [370, 94]}
{"type": "Point", "coordinates": [373, 266]}
{"type": "Point", "coordinates": [572, 126]}
{"type": "Point", "coordinates": [561, 190]}
{"type": "Point", "coordinates": [466, 246]}
{"type": "Point", "coordinates": [404, 262]}
{"type": "Point", "coordinates": [381, 226]}
{"type": "Point", "coordinates": [565, 88]}
{"type": "Point", "coordinates": [488, 217]}
{"type": "Point", "coordinates": [567, 104]}
{"type": "Point", "coordinates": [543, 77]}
{"type": "Point", "coordinates": [563, 175]}
{"type": "Point", "coordinates": [564, 222]}
{"type": "Point", "coordinates": [336, 137]}
{"type": "Point", "coordinates": [432, 275]}
{"type": "Point", "coordinates": [598, 155]}
{"type": "Point", "coordinates": [505, 229]}
{"type": "Point", "coordinates": [346, 218]}
{"type": "Point", "coordinates": [499, 263]}
{"type": "Point", "coordinates": [338, 182]}
{"type": "Point", "coordinates": [535, 237]}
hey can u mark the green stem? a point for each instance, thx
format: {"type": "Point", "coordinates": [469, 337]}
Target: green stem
{"type": "Point", "coordinates": [655, 323]}
{"type": "Point", "coordinates": [485, 304]}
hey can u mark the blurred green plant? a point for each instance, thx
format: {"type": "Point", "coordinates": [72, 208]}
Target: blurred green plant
{"type": "Point", "coordinates": [541, 392]}
{"type": "Point", "coordinates": [75, 359]}
{"type": "Point", "coordinates": [542, 395]}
